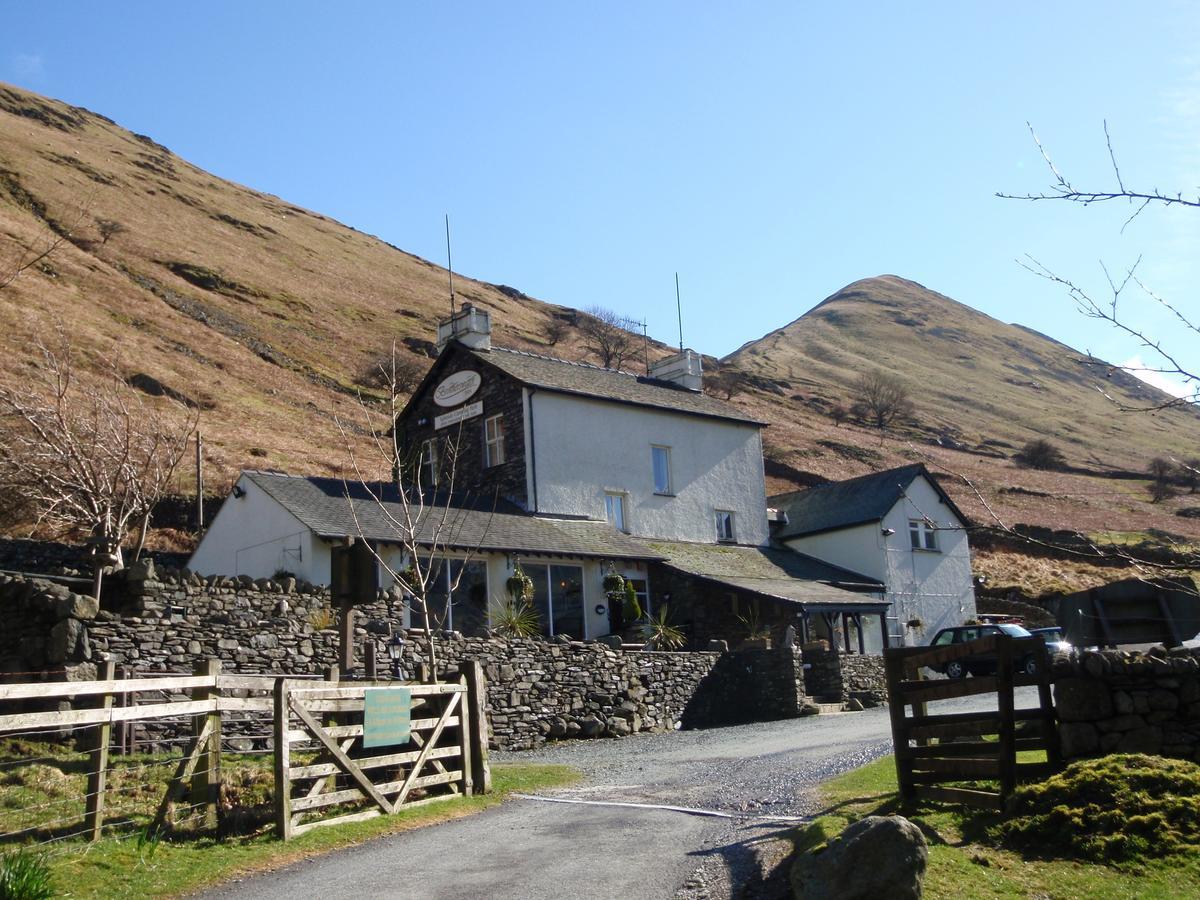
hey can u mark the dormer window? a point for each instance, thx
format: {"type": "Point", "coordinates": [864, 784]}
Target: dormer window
{"type": "Point", "coordinates": [493, 441]}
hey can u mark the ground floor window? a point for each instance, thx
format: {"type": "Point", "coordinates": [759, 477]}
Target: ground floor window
{"type": "Point", "coordinates": [558, 598]}
{"type": "Point", "coordinates": [465, 608]}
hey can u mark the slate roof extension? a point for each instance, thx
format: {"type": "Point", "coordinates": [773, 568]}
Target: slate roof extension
{"type": "Point", "coordinates": [856, 501]}
{"type": "Point", "coordinates": [772, 572]}
{"type": "Point", "coordinates": [333, 508]}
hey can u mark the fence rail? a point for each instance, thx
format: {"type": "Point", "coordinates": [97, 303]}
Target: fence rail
{"type": "Point", "coordinates": [320, 725]}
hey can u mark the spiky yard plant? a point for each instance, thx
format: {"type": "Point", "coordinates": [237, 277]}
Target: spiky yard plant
{"type": "Point", "coordinates": [24, 875]}
{"type": "Point", "coordinates": [658, 631]}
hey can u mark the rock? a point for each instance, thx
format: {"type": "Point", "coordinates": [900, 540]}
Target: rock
{"type": "Point", "coordinates": [879, 856]}
{"type": "Point", "coordinates": [590, 726]}
{"type": "Point", "coordinates": [78, 606]}
{"type": "Point", "coordinates": [1078, 739]}
{"type": "Point", "coordinates": [854, 705]}
{"type": "Point", "coordinates": [810, 709]}
{"type": "Point", "coordinates": [1082, 700]}
{"type": "Point", "coordinates": [1143, 740]}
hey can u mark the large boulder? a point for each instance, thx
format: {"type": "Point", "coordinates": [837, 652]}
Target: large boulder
{"type": "Point", "coordinates": [879, 856]}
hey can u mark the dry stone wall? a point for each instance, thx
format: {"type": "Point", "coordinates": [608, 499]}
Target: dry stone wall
{"type": "Point", "coordinates": [1113, 701]}
{"type": "Point", "coordinates": [167, 620]}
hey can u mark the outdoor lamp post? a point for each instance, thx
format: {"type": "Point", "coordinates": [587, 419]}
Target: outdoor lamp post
{"type": "Point", "coordinates": [395, 649]}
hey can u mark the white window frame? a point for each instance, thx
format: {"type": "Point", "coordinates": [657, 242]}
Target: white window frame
{"type": "Point", "coordinates": [616, 500]}
{"type": "Point", "coordinates": [429, 461]}
{"type": "Point", "coordinates": [666, 490]}
{"type": "Point", "coordinates": [922, 535]}
{"type": "Point", "coordinates": [726, 522]}
{"type": "Point", "coordinates": [493, 441]}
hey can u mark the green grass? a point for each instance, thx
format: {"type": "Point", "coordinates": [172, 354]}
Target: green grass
{"type": "Point", "coordinates": [967, 859]}
{"type": "Point", "coordinates": [127, 864]}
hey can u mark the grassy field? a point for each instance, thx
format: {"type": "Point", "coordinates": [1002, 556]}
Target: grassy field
{"type": "Point", "coordinates": [966, 859]}
{"type": "Point", "coordinates": [131, 864]}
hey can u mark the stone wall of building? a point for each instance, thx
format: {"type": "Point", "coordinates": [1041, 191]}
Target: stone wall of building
{"type": "Point", "coordinates": [1113, 701]}
{"type": "Point", "coordinates": [863, 679]}
{"type": "Point", "coordinates": [161, 620]}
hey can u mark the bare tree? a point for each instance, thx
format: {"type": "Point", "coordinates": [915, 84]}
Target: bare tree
{"type": "Point", "coordinates": [1162, 472]}
{"type": "Point", "coordinates": [422, 514]}
{"type": "Point", "coordinates": [727, 382]}
{"type": "Point", "coordinates": [606, 336]}
{"type": "Point", "coordinates": [880, 399]}
{"type": "Point", "coordinates": [1110, 307]}
{"type": "Point", "coordinates": [39, 251]}
{"type": "Point", "coordinates": [109, 228]}
{"type": "Point", "coordinates": [554, 330]}
{"type": "Point", "coordinates": [390, 372]}
{"type": "Point", "coordinates": [89, 458]}
{"type": "Point", "coordinates": [839, 414]}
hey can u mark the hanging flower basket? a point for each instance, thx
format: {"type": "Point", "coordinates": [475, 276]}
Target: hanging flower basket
{"type": "Point", "coordinates": [519, 585]}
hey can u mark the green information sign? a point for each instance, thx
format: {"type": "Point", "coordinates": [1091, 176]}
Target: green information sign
{"type": "Point", "coordinates": [387, 715]}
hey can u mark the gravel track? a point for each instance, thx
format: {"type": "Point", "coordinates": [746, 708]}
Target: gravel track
{"type": "Point", "coordinates": [758, 777]}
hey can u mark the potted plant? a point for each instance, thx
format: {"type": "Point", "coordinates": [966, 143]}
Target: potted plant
{"type": "Point", "coordinates": [758, 635]}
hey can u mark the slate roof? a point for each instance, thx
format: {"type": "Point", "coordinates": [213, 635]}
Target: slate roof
{"type": "Point", "coordinates": [843, 504]}
{"type": "Point", "coordinates": [781, 574]}
{"type": "Point", "coordinates": [550, 374]}
{"type": "Point", "coordinates": [333, 508]}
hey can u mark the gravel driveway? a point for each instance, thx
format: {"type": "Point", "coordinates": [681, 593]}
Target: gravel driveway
{"type": "Point", "coordinates": [730, 790]}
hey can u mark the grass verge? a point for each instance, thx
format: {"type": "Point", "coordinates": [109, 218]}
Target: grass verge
{"type": "Point", "coordinates": [967, 861]}
{"type": "Point", "coordinates": [130, 866]}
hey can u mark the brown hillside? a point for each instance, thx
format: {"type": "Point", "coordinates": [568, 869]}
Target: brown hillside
{"type": "Point", "coordinates": [260, 311]}
{"type": "Point", "coordinates": [982, 389]}
{"type": "Point", "coordinates": [263, 313]}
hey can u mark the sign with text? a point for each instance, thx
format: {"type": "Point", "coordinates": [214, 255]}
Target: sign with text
{"type": "Point", "coordinates": [470, 411]}
{"type": "Point", "coordinates": [387, 716]}
{"type": "Point", "coordinates": [456, 388]}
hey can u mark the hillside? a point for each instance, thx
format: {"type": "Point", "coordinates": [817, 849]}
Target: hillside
{"type": "Point", "coordinates": [982, 389]}
{"type": "Point", "coordinates": [262, 314]}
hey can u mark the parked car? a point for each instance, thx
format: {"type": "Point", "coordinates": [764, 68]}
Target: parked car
{"type": "Point", "coordinates": [980, 663]}
{"type": "Point", "coordinates": [1056, 641]}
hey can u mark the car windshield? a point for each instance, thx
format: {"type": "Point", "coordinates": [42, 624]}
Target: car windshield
{"type": "Point", "coordinates": [1015, 631]}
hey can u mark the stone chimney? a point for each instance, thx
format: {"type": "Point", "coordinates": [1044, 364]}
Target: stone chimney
{"type": "Point", "coordinates": [683, 369]}
{"type": "Point", "coordinates": [469, 326]}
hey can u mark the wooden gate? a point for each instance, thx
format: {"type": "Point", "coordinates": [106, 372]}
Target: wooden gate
{"type": "Point", "coordinates": [934, 751]}
{"type": "Point", "coordinates": [321, 728]}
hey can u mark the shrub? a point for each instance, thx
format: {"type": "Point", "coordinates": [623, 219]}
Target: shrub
{"type": "Point", "coordinates": [1116, 809]}
{"type": "Point", "coordinates": [24, 875]}
{"type": "Point", "coordinates": [1040, 454]}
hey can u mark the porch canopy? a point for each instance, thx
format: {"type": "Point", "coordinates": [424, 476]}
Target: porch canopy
{"type": "Point", "coordinates": [813, 587]}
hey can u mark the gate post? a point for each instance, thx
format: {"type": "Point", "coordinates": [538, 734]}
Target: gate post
{"type": "Point", "coordinates": [1008, 725]}
{"type": "Point", "coordinates": [283, 763]}
{"type": "Point", "coordinates": [98, 772]}
{"type": "Point", "coordinates": [206, 783]}
{"type": "Point", "coordinates": [476, 697]}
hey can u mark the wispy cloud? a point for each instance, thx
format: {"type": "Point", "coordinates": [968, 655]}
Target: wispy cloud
{"type": "Point", "coordinates": [27, 66]}
{"type": "Point", "coordinates": [1136, 366]}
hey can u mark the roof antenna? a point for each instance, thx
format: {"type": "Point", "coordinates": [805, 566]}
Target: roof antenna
{"type": "Point", "coordinates": [449, 265]}
{"type": "Point", "coordinates": [679, 312]}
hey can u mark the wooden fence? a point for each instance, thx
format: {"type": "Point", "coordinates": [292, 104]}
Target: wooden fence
{"type": "Point", "coordinates": [88, 711]}
{"type": "Point", "coordinates": [935, 751]}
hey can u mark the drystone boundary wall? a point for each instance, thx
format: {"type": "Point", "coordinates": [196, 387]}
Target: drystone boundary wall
{"type": "Point", "coordinates": [155, 619]}
{"type": "Point", "coordinates": [864, 679]}
{"type": "Point", "coordinates": [1113, 701]}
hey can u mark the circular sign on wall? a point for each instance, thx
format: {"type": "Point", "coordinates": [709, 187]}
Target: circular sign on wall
{"type": "Point", "coordinates": [455, 389]}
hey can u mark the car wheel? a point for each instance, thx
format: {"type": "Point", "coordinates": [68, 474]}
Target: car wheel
{"type": "Point", "coordinates": [1030, 665]}
{"type": "Point", "coordinates": [956, 669]}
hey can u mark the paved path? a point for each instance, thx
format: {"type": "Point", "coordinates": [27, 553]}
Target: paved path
{"type": "Point", "coordinates": [757, 775]}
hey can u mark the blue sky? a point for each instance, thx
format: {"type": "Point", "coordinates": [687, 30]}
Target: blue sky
{"type": "Point", "coordinates": [769, 153]}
